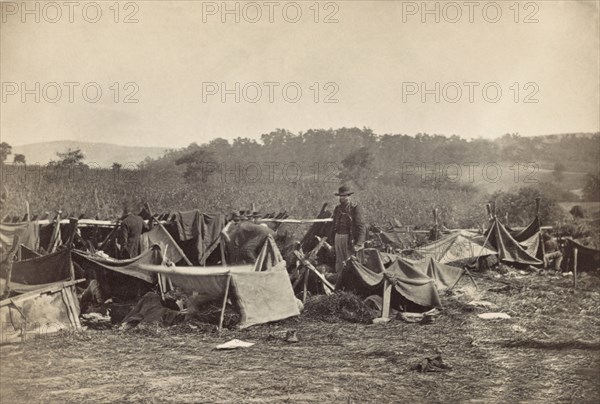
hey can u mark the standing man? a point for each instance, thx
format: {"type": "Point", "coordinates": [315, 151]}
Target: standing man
{"type": "Point", "coordinates": [349, 228]}
{"type": "Point", "coordinates": [129, 233]}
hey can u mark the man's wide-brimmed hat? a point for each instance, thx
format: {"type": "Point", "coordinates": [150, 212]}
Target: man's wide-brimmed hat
{"type": "Point", "coordinates": [344, 190]}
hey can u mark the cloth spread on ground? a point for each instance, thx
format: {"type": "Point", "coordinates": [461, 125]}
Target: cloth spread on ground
{"type": "Point", "coordinates": [509, 249]}
{"type": "Point", "coordinates": [203, 228]}
{"type": "Point", "coordinates": [160, 236]}
{"type": "Point", "coordinates": [150, 309]}
{"type": "Point", "coordinates": [588, 259]}
{"type": "Point", "coordinates": [457, 246]}
{"type": "Point", "coordinates": [38, 272]}
{"type": "Point", "coordinates": [28, 233]}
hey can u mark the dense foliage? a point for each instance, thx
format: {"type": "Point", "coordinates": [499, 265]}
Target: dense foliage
{"type": "Point", "coordinates": [396, 176]}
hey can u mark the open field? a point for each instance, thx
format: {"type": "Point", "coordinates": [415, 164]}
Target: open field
{"type": "Point", "coordinates": [549, 351]}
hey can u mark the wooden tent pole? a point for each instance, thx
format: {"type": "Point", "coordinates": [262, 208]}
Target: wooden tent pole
{"type": "Point", "coordinates": [55, 233]}
{"type": "Point", "coordinates": [10, 258]}
{"type": "Point", "coordinates": [575, 268]}
{"type": "Point", "coordinates": [305, 287]}
{"type": "Point", "coordinates": [224, 303]}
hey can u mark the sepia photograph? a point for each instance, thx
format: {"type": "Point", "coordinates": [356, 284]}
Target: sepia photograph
{"type": "Point", "coordinates": [310, 201]}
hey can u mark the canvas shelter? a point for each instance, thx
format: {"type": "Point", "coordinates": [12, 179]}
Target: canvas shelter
{"type": "Point", "coordinates": [460, 245]}
{"type": "Point", "coordinates": [262, 291]}
{"type": "Point", "coordinates": [120, 278]}
{"type": "Point", "coordinates": [42, 297]}
{"type": "Point", "coordinates": [39, 272]}
{"type": "Point", "coordinates": [531, 239]}
{"type": "Point", "coordinates": [509, 249]}
{"type": "Point", "coordinates": [419, 281]}
{"type": "Point", "coordinates": [588, 259]}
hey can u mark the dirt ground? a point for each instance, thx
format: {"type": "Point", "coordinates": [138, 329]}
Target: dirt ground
{"type": "Point", "coordinates": [549, 351]}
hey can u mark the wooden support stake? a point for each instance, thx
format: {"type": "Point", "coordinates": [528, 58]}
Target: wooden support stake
{"type": "Point", "coordinates": [387, 299]}
{"type": "Point", "coordinates": [575, 268]}
{"type": "Point", "coordinates": [224, 303]}
{"type": "Point", "coordinates": [55, 234]}
{"type": "Point", "coordinates": [305, 287]}
{"type": "Point", "coordinates": [10, 258]}
{"type": "Point", "coordinates": [543, 247]}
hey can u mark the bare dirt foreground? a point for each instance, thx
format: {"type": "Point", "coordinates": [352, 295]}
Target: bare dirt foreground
{"type": "Point", "coordinates": [549, 351]}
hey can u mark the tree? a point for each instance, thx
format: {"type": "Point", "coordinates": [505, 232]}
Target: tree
{"type": "Point", "coordinates": [591, 191]}
{"type": "Point", "coordinates": [200, 164]}
{"type": "Point", "coordinates": [19, 159]}
{"type": "Point", "coordinates": [577, 212]}
{"type": "Point", "coordinates": [559, 171]}
{"type": "Point", "coordinates": [358, 167]}
{"type": "Point", "coordinates": [71, 158]}
{"type": "Point", "coordinates": [116, 166]}
{"type": "Point", "coordinates": [5, 151]}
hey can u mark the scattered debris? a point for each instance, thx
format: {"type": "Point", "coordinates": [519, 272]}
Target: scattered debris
{"type": "Point", "coordinates": [494, 316]}
{"type": "Point", "coordinates": [234, 344]}
{"type": "Point", "coordinates": [436, 364]}
{"type": "Point", "coordinates": [423, 318]}
{"type": "Point", "coordinates": [284, 335]}
{"type": "Point", "coordinates": [482, 303]}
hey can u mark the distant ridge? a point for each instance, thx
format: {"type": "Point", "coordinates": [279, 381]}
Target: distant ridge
{"type": "Point", "coordinates": [102, 154]}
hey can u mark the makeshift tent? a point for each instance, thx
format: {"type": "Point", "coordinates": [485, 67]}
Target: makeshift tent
{"type": "Point", "coordinates": [531, 239]}
{"type": "Point", "coordinates": [38, 313]}
{"type": "Point", "coordinates": [458, 246]}
{"type": "Point", "coordinates": [509, 249]}
{"type": "Point", "coordinates": [36, 273]}
{"type": "Point", "coordinates": [261, 295]}
{"type": "Point", "coordinates": [121, 278]}
{"type": "Point", "coordinates": [588, 259]}
{"type": "Point", "coordinates": [417, 281]}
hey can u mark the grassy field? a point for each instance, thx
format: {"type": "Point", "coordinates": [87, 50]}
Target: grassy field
{"type": "Point", "coordinates": [549, 351]}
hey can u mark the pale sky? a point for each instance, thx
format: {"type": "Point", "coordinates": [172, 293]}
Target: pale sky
{"type": "Point", "coordinates": [374, 51]}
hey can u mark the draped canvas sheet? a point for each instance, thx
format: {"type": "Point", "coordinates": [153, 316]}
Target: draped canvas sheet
{"type": "Point", "coordinates": [38, 272]}
{"type": "Point", "coordinates": [530, 238]}
{"type": "Point", "coordinates": [129, 267]}
{"type": "Point", "coordinates": [588, 259]}
{"type": "Point", "coordinates": [509, 249]}
{"type": "Point", "coordinates": [200, 232]}
{"type": "Point", "coordinates": [28, 232]}
{"type": "Point", "coordinates": [458, 246]}
{"type": "Point", "coordinates": [261, 296]}
{"type": "Point", "coordinates": [160, 236]}
{"type": "Point", "coordinates": [413, 284]}
{"type": "Point", "coordinates": [445, 276]}
{"type": "Point", "coordinates": [408, 279]}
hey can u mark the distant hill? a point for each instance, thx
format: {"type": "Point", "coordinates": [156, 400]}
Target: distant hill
{"type": "Point", "coordinates": [102, 154]}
